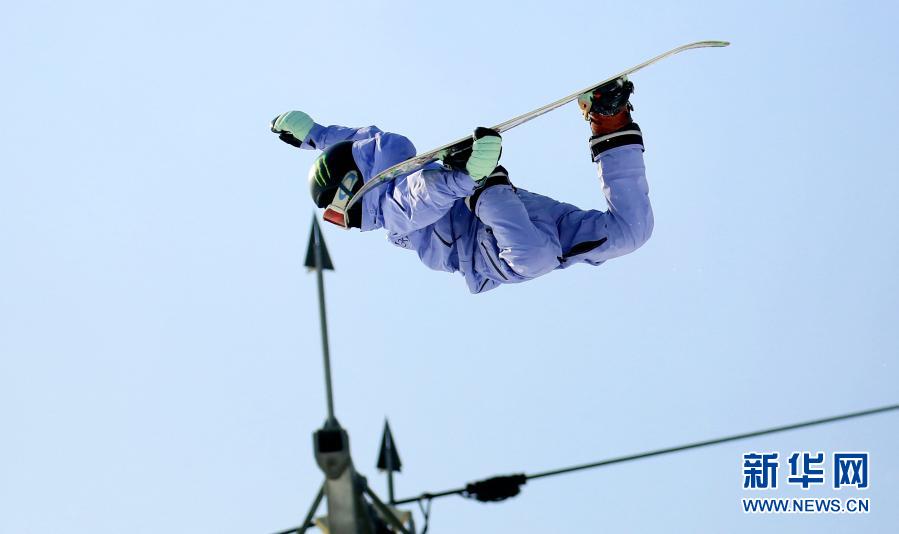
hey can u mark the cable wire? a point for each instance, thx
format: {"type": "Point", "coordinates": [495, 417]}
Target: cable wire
{"type": "Point", "coordinates": [670, 450]}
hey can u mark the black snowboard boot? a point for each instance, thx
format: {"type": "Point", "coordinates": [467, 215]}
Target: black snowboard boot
{"type": "Point", "coordinates": [608, 110]}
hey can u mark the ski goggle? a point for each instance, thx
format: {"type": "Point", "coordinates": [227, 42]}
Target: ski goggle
{"type": "Point", "coordinates": [336, 212]}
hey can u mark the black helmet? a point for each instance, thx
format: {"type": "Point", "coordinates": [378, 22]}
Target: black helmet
{"type": "Point", "coordinates": [330, 170]}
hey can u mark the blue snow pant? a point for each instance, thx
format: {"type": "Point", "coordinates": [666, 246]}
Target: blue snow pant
{"type": "Point", "coordinates": [513, 247]}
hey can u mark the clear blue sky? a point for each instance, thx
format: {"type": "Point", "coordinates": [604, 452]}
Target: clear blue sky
{"type": "Point", "coordinates": [160, 367]}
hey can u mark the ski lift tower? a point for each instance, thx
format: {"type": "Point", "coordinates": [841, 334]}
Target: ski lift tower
{"type": "Point", "coordinates": [353, 508]}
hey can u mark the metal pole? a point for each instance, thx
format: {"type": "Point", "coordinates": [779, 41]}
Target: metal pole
{"type": "Point", "coordinates": [307, 522]}
{"type": "Point", "coordinates": [385, 511]}
{"type": "Point", "coordinates": [390, 468]}
{"type": "Point", "coordinates": [324, 320]}
{"type": "Point", "coordinates": [390, 496]}
{"type": "Point", "coordinates": [312, 509]}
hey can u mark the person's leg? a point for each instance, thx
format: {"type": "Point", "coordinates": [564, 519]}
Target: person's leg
{"type": "Point", "coordinates": [617, 147]}
{"type": "Point", "coordinates": [516, 242]}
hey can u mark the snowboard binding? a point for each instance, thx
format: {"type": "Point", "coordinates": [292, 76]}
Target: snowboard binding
{"type": "Point", "coordinates": [607, 108]}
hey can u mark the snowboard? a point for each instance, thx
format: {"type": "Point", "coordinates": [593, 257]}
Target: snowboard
{"type": "Point", "coordinates": [416, 162]}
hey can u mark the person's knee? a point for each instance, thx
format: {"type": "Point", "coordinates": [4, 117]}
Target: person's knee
{"type": "Point", "coordinates": [549, 260]}
{"type": "Point", "coordinates": [537, 260]}
{"type": "Point", "coordinates": [641, 228]}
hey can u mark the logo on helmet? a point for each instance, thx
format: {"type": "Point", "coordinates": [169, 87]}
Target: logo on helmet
{"type": "Point", "coordinates": [345, 190]}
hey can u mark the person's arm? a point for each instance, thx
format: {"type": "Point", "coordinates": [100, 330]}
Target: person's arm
{"type": "Point", "coordinates": [423, 197]}
{"type": "Point", "coordinates": [321, 137]}
{"type": "Point", "coordinates": [298, 129]}
{"type": "Point", "coordinates": [419, 199]}
{"type": "Point", "coordinates": [596, 236]}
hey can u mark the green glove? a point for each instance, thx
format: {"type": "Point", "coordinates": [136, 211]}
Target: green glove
{"type": "Point", "coordinates": [485, 153]}
{"type": "Point", "coordinates": [292, 127]}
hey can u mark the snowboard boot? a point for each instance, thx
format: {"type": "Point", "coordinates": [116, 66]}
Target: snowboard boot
{"type": "Point", "coordinates": [608, 111]}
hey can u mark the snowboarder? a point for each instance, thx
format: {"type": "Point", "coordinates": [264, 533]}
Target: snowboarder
{"type": "Point", "coordinates": [465, 215]}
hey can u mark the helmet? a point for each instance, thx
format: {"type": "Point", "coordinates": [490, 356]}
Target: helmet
{"type": "Point", "coordinates": [334, 169]}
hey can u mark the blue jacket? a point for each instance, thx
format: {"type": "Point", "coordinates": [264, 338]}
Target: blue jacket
{"type": "Point", "coordinates": [513, 235]}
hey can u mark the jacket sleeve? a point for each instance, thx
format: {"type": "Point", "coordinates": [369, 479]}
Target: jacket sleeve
{"type": "Point", "coordinates": [595, 236]}
{"type": "Point", "coordinates": [381, 151]}
{"type": "Point", "coordinates": [421, 198]}
{"type": "Point", "coordinates": [321, 137]}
